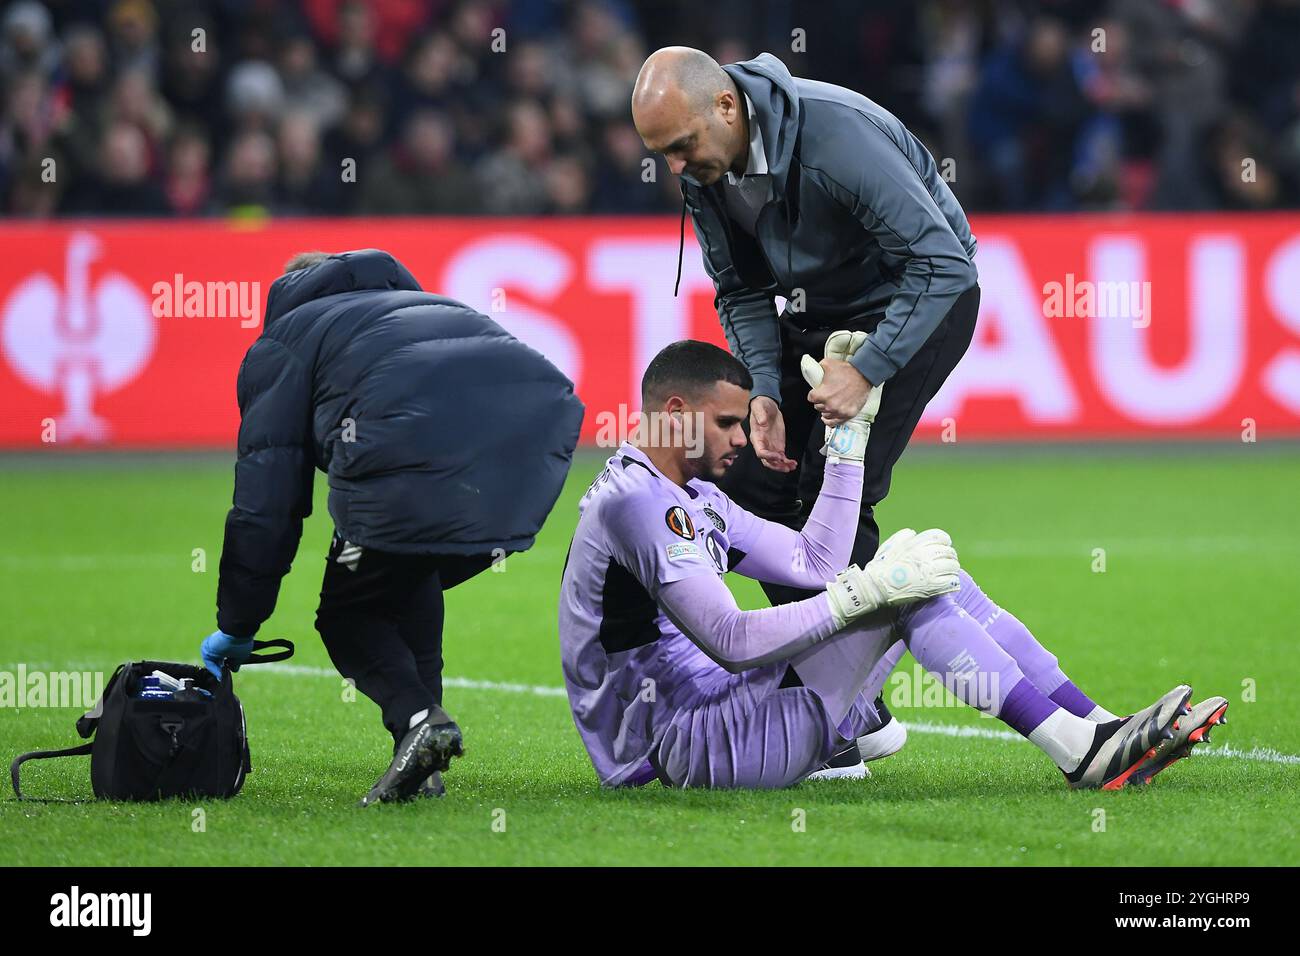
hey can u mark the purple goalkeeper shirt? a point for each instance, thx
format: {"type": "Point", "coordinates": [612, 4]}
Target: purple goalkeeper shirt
{"type": "Point", "coordinates": [627, 668]}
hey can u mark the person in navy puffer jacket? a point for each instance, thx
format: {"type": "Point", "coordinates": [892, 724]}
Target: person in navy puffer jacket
{"type": "Point", "coordinates": [446, 442]}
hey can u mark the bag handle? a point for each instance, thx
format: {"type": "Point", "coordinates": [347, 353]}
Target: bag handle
{"type": "Point", "coordinates": [270, 658]}
{"type": "Point", "coordinates": [42, 755]}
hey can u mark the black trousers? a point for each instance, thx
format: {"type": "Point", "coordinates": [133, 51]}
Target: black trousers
{"type": "Point", "coordinates": [381, 623]}
{"type": "Point", "coordinates": [788, 498]}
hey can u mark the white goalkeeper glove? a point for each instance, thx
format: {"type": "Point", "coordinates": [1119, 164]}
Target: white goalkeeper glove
{"type": "Point", "coordinates": [908, 567]}
{"type": "Point", "coordinates": [847, 441]}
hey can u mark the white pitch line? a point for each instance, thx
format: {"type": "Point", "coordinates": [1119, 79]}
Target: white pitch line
{"type": "Point", "coordinates": [466, 683]}
{"type": "Point", "coordinates": [1259, 754]}
{"type": "Point", "coordinates": [1262, 754]}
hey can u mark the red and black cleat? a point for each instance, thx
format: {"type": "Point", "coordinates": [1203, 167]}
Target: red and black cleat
{"type": "Point", "coordinates": [1189, 730]}
{"type": "Point", "coordinates": [1121, 746]}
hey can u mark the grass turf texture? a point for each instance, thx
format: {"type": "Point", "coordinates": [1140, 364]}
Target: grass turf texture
{"type": "Point", "coordinates": [1199, 586]}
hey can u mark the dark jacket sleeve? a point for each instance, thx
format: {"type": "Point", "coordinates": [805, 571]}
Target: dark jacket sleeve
{"type": "Point", "coordinates": [880, 182]}
{"type": "Point", "coordinates": [273, 486]}
{"type": "Point", "coordinates": [748, 315]}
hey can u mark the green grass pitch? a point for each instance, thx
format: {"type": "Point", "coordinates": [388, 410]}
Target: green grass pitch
{"type": "Point", "coordinates": [1200, 555]}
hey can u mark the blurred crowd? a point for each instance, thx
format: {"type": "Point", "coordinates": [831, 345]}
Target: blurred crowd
{"type": "Point", "coordinates": [310, 107]}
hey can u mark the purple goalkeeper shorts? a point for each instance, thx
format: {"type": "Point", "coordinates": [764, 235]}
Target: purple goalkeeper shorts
{"type": "Point", "coordinates": [755, 735]}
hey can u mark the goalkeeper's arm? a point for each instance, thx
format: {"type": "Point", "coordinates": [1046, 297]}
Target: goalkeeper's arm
{"type": "Point", "coordinates": [811, 557]}
{"type": "Point", "coordinates": [909, 568]}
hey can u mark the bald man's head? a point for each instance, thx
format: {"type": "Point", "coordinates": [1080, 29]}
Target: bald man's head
{"type": "Point", "coordinates": [686, 107]}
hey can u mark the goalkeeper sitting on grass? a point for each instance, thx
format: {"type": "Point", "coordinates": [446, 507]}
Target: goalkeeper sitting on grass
{"type": "Point", "coordinates": [667, 678]}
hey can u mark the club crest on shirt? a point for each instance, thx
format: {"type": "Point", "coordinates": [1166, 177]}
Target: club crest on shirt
{"type": "Point", "coordinates": [715, 518]}
{"type": "Point", "coordinates": [679, 522]}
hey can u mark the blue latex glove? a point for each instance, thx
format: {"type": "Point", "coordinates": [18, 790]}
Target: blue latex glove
{"type": "Point", "coordinates": [219, 646]}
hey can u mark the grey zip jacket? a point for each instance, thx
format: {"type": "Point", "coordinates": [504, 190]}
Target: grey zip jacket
{"type": "Point", "coordinates": [859, 220]}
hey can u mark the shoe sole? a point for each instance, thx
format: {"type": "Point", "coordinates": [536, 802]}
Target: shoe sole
{"type": "Point", "coordinates": [1201, 734]}
{"type": "Point", "coordinates": [856, 772]}
{"type": "Point", "coordinates": [424, 755]}
{"type": "Point", "coordinates": [1118, 781]}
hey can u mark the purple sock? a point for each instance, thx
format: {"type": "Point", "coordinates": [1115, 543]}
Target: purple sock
{"type": "Point", "coordinates": [1073, 699]}
{"type": "Point", "coordinates": [1025, 708]}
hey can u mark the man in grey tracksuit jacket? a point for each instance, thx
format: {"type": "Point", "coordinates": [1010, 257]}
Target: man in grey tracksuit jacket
{"type": "Point", "coordinates": [814, 193]}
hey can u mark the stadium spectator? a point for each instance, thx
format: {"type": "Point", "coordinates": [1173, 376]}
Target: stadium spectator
{"type": "Point", "coordinates": [133, 35]}
{"type": "Point", "coordinates": [512, 178]}
{"type": "Point", "coordinates": [29, 120]}
{"type": "Point", "coordinates": [570, 130]}
{"type": "Point", "coordinates": [420, 175]}
{"type": "Point", "coordinates": [1118, 141]}
{"type": "Point", "coordinates": [28, 196]}
{"type": "Point", "coordinates": [189, 172]}
{"type": "Point", "coordinates": [354, 57]}
{"type": "Point", "coordinates": [619, 185]}
{"type": "Point", "coordinates": [191, 74]}
{"type": "Point", "coordinates": [27, 43]}
{"type": "Point", "coordinates": [27, 143]}
{"type": "Point", "coordinates": [135, 100]}
{"type": "Point", "coordinates": [309, 90]}
{"type": "Point", "coordinates": [254, 96]}
{"type": "Point", "coordinates": [1266, 66]}
{"type": "Point", "coordinates": [953, 38]}
{"type": "Point", "coordinates": [606, 59]}
{"type": "Point", "coordinates": [429, 77]}
{"type": "Point", "coordinates": [568, 186]}
{"type": "Point", "coordinates": [356, 141]}
{"type": "Point", "coordinates": [121, 183]}
{"type": "Point", "coordinates": [1025, 115]}
{"type": "Point", "coordinates": [85, 77]}
{"type": "Point", "coordinates": [249, 182]}
{"type": "Point", "coordinates": [306, 184]}
{"type": "Point", "coordinates": [530, 71]}
{"type": "Point", "coordinates": [1239, 166]}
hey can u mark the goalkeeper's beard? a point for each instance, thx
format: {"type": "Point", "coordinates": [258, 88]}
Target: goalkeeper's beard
{"type": "Point", "coordinates": [711, 467]}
